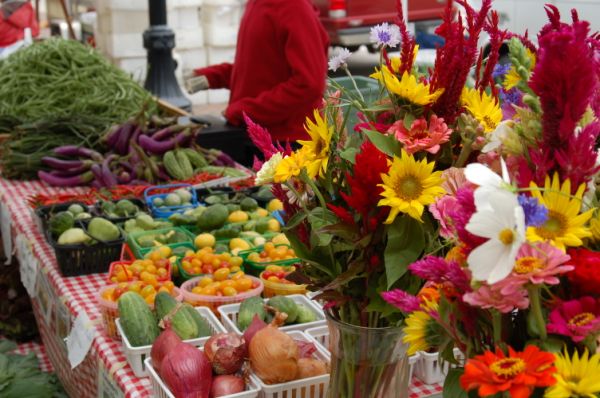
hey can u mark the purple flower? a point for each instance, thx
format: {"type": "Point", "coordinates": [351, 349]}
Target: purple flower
{"type": "Point", "coordinates": [438, 270]}
{"type": "Point", "coordinates": [514, 96]}
{"type": "Point", "coordinates": [535, 213]}
{"type": "Point", "coordinates": [339, 60]}
{"type": "Point", "coordinates": [385, 35]}
{"type": "Point", "coordinates": [402, 300]}
{"type": "Point", "coordinates": [500, 70]}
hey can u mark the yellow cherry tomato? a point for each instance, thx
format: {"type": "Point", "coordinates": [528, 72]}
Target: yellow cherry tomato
{"type": "Point", "coordinates": [197, 290]}
{"type": "Point", "coordinates": [235, 269]}
{"type": "Point", "coordinates": [243, 284]}
{"type": "Point", "coordinates": [221, 274]}
{"type": "Point", "coordinates": [205, 281]}
{"type": "Point", "coordinates": [229, 291]}
{"type": "Point", "coordinates": [236, 261]}
{"type": "Point", "coordinates": [238, 275]}
{"type": "Point", "coordinates": [147, 290]}
{"type": "Point", "coordinates": [150, 298]}
{"type": "Point", "coordinates": [135, 286]}
{"type": "Point", "coordinates": [227, 283]}
{"type": "Point", "coordinates": [208, 291]}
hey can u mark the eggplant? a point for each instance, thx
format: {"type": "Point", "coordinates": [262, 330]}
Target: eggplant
{"type": "Point", "coordinates": [78, 151]}
{"type": "Point", "coordinates": [124, 177]}
{"type": "Point", "coordinates": [108, 177]}
{"type": "Point", "coordinates": [61, 164]}
{"type": "Point", "coordinates": [96, 170]}
{"type": "Point", "coordinates": [160, 147]}
{"type": "Point", "coordinates": [80, 179]}
{"type": "Point", "coordinates": [167, 132]}
{"type": "Point", "coordinates": [122, 143]}
{"type": "Point", "coordinates": [111, 138]}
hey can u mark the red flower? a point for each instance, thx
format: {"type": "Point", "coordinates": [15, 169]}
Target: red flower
{"type": "Point", "coordinates": [519, 373]}
{"type": "Point", "coordinates": [370, 163]}
{"type": "Point", "coordinates": [342, 213]}
{"type": "Point", "coordinates": [585, 278]}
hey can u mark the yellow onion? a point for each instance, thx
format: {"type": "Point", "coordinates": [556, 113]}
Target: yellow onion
{"type": "Point", "coordinates": [310, 367]}
{"type": "Point", "coordinates": [273, 356]}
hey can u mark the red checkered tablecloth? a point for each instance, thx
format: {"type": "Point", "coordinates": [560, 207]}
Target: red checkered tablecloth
{"type": "Point", "coordinates": [79, 295]}
{"type": "Point", "coordinates": [38, 349]}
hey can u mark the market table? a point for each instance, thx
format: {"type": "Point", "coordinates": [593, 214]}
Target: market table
{"type": "Point", "coordinates": [59, 302]}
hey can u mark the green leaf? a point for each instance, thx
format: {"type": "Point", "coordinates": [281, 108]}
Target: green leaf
{"type": "Point", "coordinates": [295, 220]}
{"type": "Point", "coordinates": [385, 143]}
{"type": "Point", "coordinates": [7, 346]}
{"type": "Point", "coordinates": [408, 120]}
{"type": "Point", "coordinates": [354, 268]}
{"type": "Point", "coordinates": [318, 219]}
{"type": "Point", "coordinates": [405, 244]}
{"type": "Point", "coordinates": [349, 154]}
{"type": "Point", "coordinates": [452, 388]}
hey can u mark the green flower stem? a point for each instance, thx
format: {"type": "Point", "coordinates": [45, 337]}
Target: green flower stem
{"type": "Point", "coordinates": [464, 153]}
{"type": "Point", "coordinates": [497, 326]}
{"type": "Point", "coordinates": [591, 343]}
{"type": "Point", "coordinates": [536, 310]}
{"type": "Point", "coordinates": [345, 68]}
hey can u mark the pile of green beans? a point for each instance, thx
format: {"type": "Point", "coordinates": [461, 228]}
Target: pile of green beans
{"type": "Point", "coordinates": [65, 91]}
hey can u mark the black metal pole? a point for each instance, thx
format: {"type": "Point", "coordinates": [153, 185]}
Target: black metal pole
{"type": "Point", "coordinates": [159, 41]}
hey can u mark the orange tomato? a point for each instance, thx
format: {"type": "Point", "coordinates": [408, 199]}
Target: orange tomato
{"type": "Point", "coordinates": [221, 274]}
{"type": "Point", "coordinates": [208, 291]}
{"type": "Point", "coordinates": [243, 284]}
{"type": "Point", "coordinates": [229, 291]}
{"type": "Point", "coordinates": [205, 281]}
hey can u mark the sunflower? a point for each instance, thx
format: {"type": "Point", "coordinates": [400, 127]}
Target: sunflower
{"type": "Point", "coordinates": [291, 165]}
{"type": "Point", "coordinates": [317, 149]}
{"type": "Point", "coordinates": [513, 78]}
{"type": "Point", "coordinates": [422, 332]}
{"type": "Point", "coordinates": [565, 226]}
{"type": "Point", "coordinates": [407, 88]}
{"type": "Point", "coordinates": [409, 186]}
{"type": "Point", "coordinates": [576, 376]}
{"type": "Point", "coordinates": [595, 227]}
{"type": "Point", "coordinates": [483, 107]}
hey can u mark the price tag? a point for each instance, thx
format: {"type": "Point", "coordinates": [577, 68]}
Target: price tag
{"type": "Point", "coordinates": [45, 296]}
{"type": "Point", "coordinates": [80, 339]}
{"type": "Point", "coordinates": [6, 232]}
{"type": "Point", "coordinates": [29, 268]}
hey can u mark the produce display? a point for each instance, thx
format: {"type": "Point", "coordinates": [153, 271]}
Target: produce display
{"type": "Point", "coordinates": [167, 236]}
{"type": "Point", "coordinates": [144, 222]}
{"type": "Point", "coordinates": [38, 85]}
{"type": "Point", "coordinates": [206, 261]}
{"type": "Point", "coordinates": [146, 289]}
{"type": "Point", "coordinates": [61, 221]}
{"type": "Point", "coordinates": [277, 274]}
{"type": "Point", "coordinates": [156, 267]}
{"type": "Point", "coordinates": [98, 229]}
{"type": "Point", "coordinates": [179, 197]}
{"type": "Point", "coordinates": [123, 208]}
{"type": "Point", "coordinates": [271, 252]}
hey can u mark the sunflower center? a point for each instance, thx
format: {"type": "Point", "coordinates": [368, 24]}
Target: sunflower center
{"type": "Point", "coordinates": [508, 367]}
{"type": "Point", "coordinates": [506, 236]}
{"type": "Point", "coordinates": [319, 147]}
{"type": "Point", "coordinates": [556, 225]}
{"type": "Point", "coordinates": [409, 188]}
{"type": "Point", "coordinates": [581, 319]}
{"type": "Point", "coordinates": [525, 265]}
{"type": "Point", "coordinates": [489, 123]}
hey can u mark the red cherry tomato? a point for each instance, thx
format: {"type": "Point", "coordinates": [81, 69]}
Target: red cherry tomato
{"type": "Point", "coordinates": [267, 274]}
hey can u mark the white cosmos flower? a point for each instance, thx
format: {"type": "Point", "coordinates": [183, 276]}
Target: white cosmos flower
{"type": "Point", "coordinates": [267, 171]}
{"type": "Point", "coordinates": [488, 181]}
{"type": "Point", "coordinates": [503, 223]}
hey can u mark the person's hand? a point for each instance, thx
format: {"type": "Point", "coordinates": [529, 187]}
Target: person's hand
{"type": "Point", "coordinates": [194, 84]}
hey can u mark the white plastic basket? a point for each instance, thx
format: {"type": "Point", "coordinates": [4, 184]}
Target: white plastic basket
{"type": "Point", "coordinates": [312, 387]}
{"type": "Point", "coordinates": [431, 370]}
{"type": "Point", "coordinates": [160, 390]}
{"type": "Point", "coordinates": [229, 315]}
{"type": "Point", "coordinates": [136, 355]}
{"type": "Point", "coordinates": [320, 335]}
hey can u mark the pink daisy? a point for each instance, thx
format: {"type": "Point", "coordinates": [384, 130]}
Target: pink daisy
{"type": "Point", "coordinates": [537, 264]}
{"type": "Point", "coordinates": [420, 136]}
{"type": "Point", "coordinates": [575, 318]}
{"type": "Point", "coordinates": [439, 210]}
{"type": "Point", "coordinates": [491, 296]}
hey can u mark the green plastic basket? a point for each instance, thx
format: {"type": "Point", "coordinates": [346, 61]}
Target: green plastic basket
{"type": "Point", "coordinates": [256, 268]}
{"type": "Point", "coordinates": [139, 251]}
{"type": "Point", "coordinates": [369, 88]}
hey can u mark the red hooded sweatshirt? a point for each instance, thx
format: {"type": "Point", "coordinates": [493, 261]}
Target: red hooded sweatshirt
{"type": "Point", "coordinates": [278, 76]}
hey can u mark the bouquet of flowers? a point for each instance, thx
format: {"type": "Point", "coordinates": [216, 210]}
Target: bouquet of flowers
{"type": "Point", "coordinates": [449, 212]}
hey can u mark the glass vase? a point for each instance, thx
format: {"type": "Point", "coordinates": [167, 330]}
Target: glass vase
{"type": "Point", "coordinates": [367, 362]}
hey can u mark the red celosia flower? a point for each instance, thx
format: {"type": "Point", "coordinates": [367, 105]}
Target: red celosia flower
{"type": "Point", "coordinates": [342, 213]}
{"type": "Point", "coordinates": [369, 164]}
{"type": "Point", "coordinates": [408, 42]}
{"type": "Point", "coordinates": [519, 373]}
{"type": "Point", "coordinates": [585, 278]}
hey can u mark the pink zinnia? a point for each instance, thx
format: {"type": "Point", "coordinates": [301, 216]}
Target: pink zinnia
{"type": "Point", "coordinates": [440, 209]}
{"type": "Point", "coordinates": [420, 136]}
{"type": "Point", "coordinates": [491, 296]}
{"type": "Point", "coordinates": [576, 318]}
{"type": "Point", "coordinates": [537, 264]}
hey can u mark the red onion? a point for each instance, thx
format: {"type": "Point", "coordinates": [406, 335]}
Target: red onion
{"type": "Point", "coordinates": [187, 372]}
{"type": "Point", "coordinates": [164, 344]}
{"type": "Point", "coordinates": [226, 352]}
{"type": "Point", "coordinates": [226, 385]}
{"type": "Point", "coordinates": [254, 327]}
{"type": "Point", "coordinates": [305, 349]}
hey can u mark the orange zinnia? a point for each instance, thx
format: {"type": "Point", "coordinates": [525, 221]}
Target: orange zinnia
{"type": "Point", "coordinates": [519, 373]}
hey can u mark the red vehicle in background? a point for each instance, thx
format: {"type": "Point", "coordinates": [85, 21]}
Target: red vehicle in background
{"type": "Point", "coordinates": [348, 22]}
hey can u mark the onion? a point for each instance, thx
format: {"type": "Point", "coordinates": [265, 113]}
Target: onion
{"type": "Point", "coordinates": [310, 367]}
{"type": "Point", "coordinates": [187, 372]}
{"type": "Point", "coordinates": [273, 355]}
{"type": "Point", "coordinates": [305, 349]}
{"type": "Point", "coordinates": [256, 325]}
{"type": "Point", "coordinates": [164, 344]}
{"type": "Point", "coordinates": [226, 385]}
{"type": "Point", "coordinates": [226, 352]}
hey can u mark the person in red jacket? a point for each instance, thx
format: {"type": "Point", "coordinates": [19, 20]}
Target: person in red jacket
{"type": "Point", "coordinates": [280, 67]}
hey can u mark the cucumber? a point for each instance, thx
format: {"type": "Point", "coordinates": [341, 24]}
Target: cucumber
{"type": "Point", "coordinates": [287, 305]}
{"type": "Point", "coordinates": [183, 322]}
{"type": "Point", "coordinates": [305, 314]}
{"type": "Point", "coordinates": [163, 304]}
{"type": "Point", "coordinates": [204, 329]}
{"type": "Point", "coordinates": [250, 307]}
{"type": "Point", "coordinates": [137, 320]}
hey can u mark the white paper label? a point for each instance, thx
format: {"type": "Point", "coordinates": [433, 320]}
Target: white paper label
{"type": "Point", "coordinates": [29, 268]}
{"type": "Point", "coordinates": [80, 339]}
{"type": "Point", "coordinates": [6, 232]}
